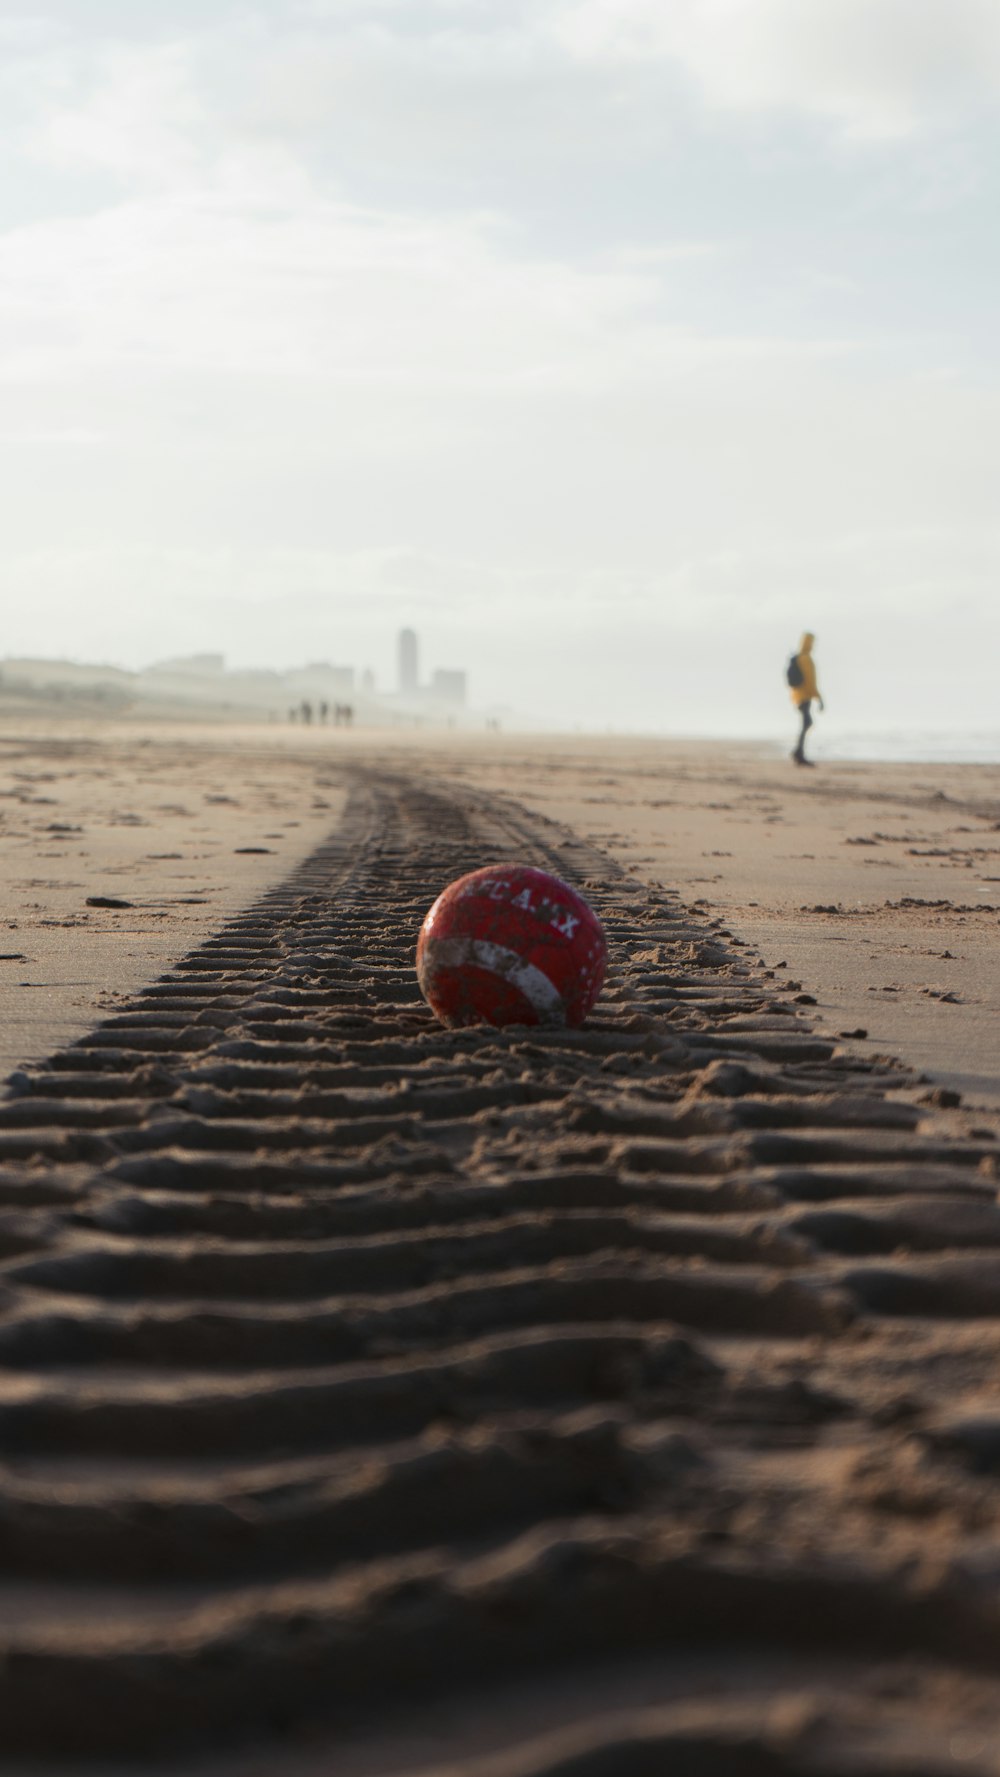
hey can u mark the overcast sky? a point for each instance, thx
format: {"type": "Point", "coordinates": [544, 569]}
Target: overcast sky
{"type": "Point", "coordinates": [609, 343]}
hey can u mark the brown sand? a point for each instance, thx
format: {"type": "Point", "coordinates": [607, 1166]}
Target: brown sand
{"type": "Point", "coordinates": [388, 1400]}
{"type": "Point", "coordinates": [186, 825]}
{"type": "Point", "coordinates": [878, 885]}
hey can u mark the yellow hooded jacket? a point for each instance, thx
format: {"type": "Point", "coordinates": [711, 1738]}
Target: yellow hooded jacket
{"type": "Point", "coordinates": [808, 689]}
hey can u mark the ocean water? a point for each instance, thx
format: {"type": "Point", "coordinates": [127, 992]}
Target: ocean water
{"type": "Point", "coordinates": [976, 747]}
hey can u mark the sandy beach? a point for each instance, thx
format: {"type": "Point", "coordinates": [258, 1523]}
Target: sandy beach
{"type": "Point", "coordinates": [411, 409]}
{"type": "Point", "coordinates": [877, 884]}
{"type": "Point", "coordinates": [393, 1400]}
{"type": "Point", "coordinates": [181, 827]}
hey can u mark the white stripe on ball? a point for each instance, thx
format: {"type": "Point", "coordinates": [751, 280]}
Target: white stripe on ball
{"type": "Point", "coordinates": [538, 990]}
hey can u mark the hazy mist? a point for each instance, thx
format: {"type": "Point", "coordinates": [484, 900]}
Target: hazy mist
{"type": "Point", "coordinates": [608, 343]}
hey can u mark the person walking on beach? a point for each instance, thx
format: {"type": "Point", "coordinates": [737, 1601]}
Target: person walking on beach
{"type": "Point", "coordinates": [802, 679]}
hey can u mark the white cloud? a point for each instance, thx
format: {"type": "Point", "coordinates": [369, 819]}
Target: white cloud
{"type": "Point", "coordinates": [255, 271]}
{"type": "Point", "coordinates": [491, 87]}
{"type": "Point", "coordinates": [130, 112]}
{"type": "Point", "coordinates": [871, 68]}
{"type": "Point", "coordinates": [874, 67]}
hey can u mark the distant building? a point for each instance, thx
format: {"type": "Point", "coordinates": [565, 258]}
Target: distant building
{"type": "Point", "coordinates": [448, 685]}
{"type": "Point", "coordinates": [190, 663]}
{"type": "Point", "coordinates": [409, 673]}
{"type": "Point", "coordinates": [322, 678]}
{"type": "Point", "coordinates": [368, 681]}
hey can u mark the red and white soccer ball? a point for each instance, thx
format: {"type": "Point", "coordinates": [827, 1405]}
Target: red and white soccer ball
{"type": "Point", "coordinates": [511, 945]}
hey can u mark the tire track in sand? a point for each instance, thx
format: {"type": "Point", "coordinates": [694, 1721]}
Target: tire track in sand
{"type": "Point", "coordinates": [348, 1362]}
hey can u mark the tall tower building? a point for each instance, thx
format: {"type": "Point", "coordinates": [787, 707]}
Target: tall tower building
{"type": "Point", "coordinates": [409, 675]}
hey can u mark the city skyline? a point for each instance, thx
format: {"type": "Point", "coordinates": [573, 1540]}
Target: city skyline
{"type": "Point", "coordinates": [207, 678]}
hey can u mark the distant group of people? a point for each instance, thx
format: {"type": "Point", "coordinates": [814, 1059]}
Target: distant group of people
{"type": "Point", "coordinates": [801, 676]}
{"type": "Point", "coordinates": [343, 713]}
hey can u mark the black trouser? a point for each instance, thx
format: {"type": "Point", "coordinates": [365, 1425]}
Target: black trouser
{"type": "Point", "coordinates": [805, 711]}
